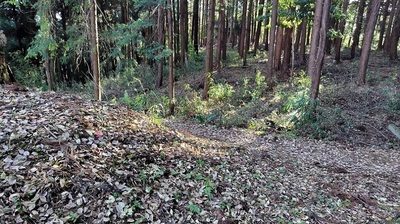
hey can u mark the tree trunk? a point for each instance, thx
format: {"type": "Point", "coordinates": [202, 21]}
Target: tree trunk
{"type": "Point", "coordinates": [394, 36]}
{"type": "Point", "coordinates": [342, 23]}
{"type": "Point", "coordinates": [278, 49]}
{"type": "Point", "coordinates": [161, 41]}
{"type": "Point", "coordinates": [287, 52]}
{"type": "Point", "coordinates": [195, 26]}
{"type": "Point", "coordinates": [221, 25]}
{"type": "Point", "coordinates": [271, 52]}
{"type": "Point", "coordinates": [328, 42]}
{"type": "Point", "coordinates": [204, 22]}
{"type": "Point", "coordinates": [302, 53]}
{"type": "Point", "coordinates": [394, 10]}
{"type": "Point", "coordinates": [366, 46]}
{"type": "Point", "coordinates": [209, 50]}
{"type": "Point", "coordinates": [176, 21]}
{"type": "Point", "coordinates": [298, 36]}
{"type": "Point", "coordinates": [383, 24]}
{"type": "Point", "coordinates": [243, 29]}
{"type": "Point", "coordinates": [4, 74]}
{"type": "Point", "coordinates": [247, 34]}
{"type": "Point", "coordinates": [94, 52]}
{"type": "Point", "coordinates": [318, 40]}
{"type": "Point", "coordinates": [225, 36]}
{"type": "Point", "coordinates": [357, 31]}
{"type": "Point", "coordinates": [183, 25]}
{"type": "Point", "coordinates": [171, 76]}
{"type": "Point", "coordinates": [249, 22]}
{"type": "Point", "coordinates": [258, 29]}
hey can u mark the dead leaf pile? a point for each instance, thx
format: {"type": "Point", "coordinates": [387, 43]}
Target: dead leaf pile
{"type": "Point", "coordinates": [68, 160]}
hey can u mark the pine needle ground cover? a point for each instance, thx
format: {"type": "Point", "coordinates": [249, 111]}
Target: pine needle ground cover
{"type": "Point", "coordinates": [68, 160]}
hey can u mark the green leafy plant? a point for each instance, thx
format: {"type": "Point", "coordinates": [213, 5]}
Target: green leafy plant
{"type": "Point", "coordinates": [209, 188]}
{"type": "Point", "coordinates": [195, 209]}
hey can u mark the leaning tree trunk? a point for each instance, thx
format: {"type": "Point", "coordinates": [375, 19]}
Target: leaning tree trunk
{"type": "Point", "coordinates": [317, 50]}
{"type": "Point", "coordinates": [366, 46]}
{"type": "Point", "coordinates": [383, 24]}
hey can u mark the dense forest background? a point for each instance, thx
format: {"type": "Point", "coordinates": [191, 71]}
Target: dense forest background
{"type": "Point", "coordinates": [208, 60]}
{"type": "Point", "coordinates": [199, 111]}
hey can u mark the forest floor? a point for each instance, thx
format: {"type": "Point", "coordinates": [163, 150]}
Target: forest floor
{"type": "Point", "coordinates": [69, 160]}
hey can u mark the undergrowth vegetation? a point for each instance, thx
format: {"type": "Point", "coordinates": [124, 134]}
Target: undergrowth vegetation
{"type": "Point", "coordinates": [239, 97]}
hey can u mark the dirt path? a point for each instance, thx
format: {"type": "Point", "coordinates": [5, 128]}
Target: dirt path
{"type": "Point", "coordinates": [368, 177]}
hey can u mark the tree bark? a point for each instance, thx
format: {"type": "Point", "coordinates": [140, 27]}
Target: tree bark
{"type": "Point", "coordinates": [302, 53]}
{"type": "Point", "coordinates": [258, 29]}
{"type": "Point", "coordinates": [383, 24]}
{"type": "Point", "coordinates": [366, 46]}
{"type": "Point", "coordinates": [287, 52]}
{"type": "Point", "coordinates": [209, 50]}
{"type": "Point", "coordinates": [183, 25]}
{"type": "Point", "coordinates": [161, 41]}
{"type": "Point", "coordinates": [394, 37]}
{"type": "Point", "coordinates": [278, 49]}
{"type": "Point", "coordinates": [221, 25]}
{"type": "Point", "coordinates": [271, 52]}
{"type": "Point", "coordinates": [394, 10]}
{"type": "Point", "coordinates": [171, 76]}
{"type": "Point", "coordinates": [225, 36]}
{"type": "Point", "coordinates": [94, 52]}
{"type": "Point", "coordinates": [342, 23]}
{"type": "Point", "coordinates": [317, 50]}
{"type": "Point", "coordinates": [195, 26]}
{"type": "Point", "coordinates": [357, 31]}
{"type": "Point", "coordinates": [243, 29]}
{"type": "Point", "coordinates": [247, 34]}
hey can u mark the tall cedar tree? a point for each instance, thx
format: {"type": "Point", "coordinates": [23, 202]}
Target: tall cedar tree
{"type": "Point", "coordinates": [382, 27]}
{"type": "Point", "coordinates": [366, 46]}
{"type": "Point", "coordinates": [338, 41]}
{"type": "Point", "coordinates": [183, 25]}
{"type": "Point", "coordinates": [221, 24]}
{"type": "Point", "coordinates": [161, 41]}
{"type": "Point", "coordinates": [171, 58]}
{"type": "Point", "coordinates": [303, 36]}
{"type": "Point", "coordinates": [394, 36]}
{"type": "Point", "coordinates": [393, 11]}
{"type": "Point", "coordinates": [243, 30]}
{"type": "Point", "coordinates": [94, 51]}
{"type": "Point", "coordinates": [271, 52]}
{"type": "Point", "coordinates": [195, 26]}
{"type": "Point", "coordinates": [317, 49]}
{"type": "Point", "coordinates": [258, 29]}
{"type": "Point", "coordinates": [247, 34]}
{"type": "Point", "coordinates": [357, 31]}
{"type": "Point", "coordinates": [209, 50]}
